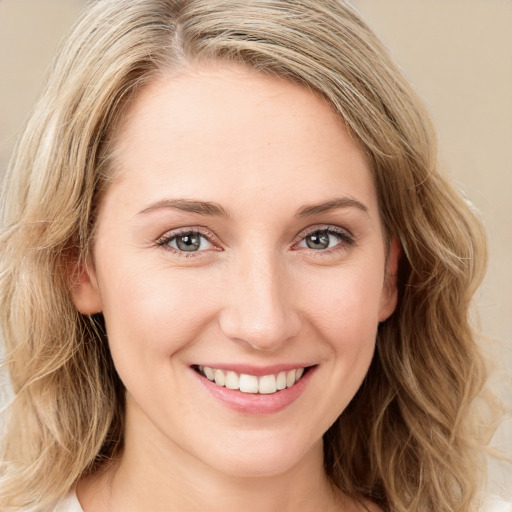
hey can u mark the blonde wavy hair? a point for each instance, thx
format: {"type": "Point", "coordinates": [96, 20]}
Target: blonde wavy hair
{"type": "Point", "coordinates": [408, 441]}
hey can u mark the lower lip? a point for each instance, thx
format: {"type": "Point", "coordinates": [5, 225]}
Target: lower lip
{"type": "Point", "coordinates": [256, 403]}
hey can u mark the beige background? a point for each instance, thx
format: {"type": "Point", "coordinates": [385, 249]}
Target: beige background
{"type": "Point", "coordinates": [458, 53]}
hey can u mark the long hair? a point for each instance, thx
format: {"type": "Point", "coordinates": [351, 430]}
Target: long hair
{"type": "Point", "coordinates": [408, 440]}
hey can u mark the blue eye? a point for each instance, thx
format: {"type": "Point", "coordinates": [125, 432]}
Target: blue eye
{"type": "Point", "coordinates": [190, 241]}
{"type": "Point", "coordinates": [323, 239]}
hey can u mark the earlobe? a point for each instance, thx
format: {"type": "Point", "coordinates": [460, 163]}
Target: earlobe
{"type": "Point", "coordinates": [389, 297]}
{"type": "Point", "coordinates": [84, 289]}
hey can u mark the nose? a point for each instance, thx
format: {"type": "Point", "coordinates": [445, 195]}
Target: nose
{"type": "Point", "coordinates": [259, 308]}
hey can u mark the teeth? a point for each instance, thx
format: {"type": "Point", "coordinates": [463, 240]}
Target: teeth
{"type": "Point", "coordinates": [208, 373]}
{"type": "Point", "coordinates": [290, 378]}
{"type": "Point", "coordinates": [265, 385]}
{"type": "Point", "coordinates": [248, 383]}
{"type": "Point", "coordinates": [232, 380]}
{"type": "Point", "coordinates": [220, 379]}
{"type": "Point", "coordinates": [281, 381]}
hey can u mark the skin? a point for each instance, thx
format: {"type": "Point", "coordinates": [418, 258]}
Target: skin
{"type": "Point", "coordinates": [263, 150]}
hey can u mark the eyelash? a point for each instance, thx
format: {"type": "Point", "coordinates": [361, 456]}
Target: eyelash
{"type": "Point", "coordinates": [346, 240]}
{"type": "Point", "coordinates": [166, 239]}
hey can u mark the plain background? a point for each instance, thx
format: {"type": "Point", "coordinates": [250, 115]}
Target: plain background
{"type": "Point", "coordinates": [457, 53]}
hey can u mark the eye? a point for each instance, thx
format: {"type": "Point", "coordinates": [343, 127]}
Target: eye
{"type": "Point", "coordinates": [322, 239]}
{"type": "Point", "coordinates": [189, 241]}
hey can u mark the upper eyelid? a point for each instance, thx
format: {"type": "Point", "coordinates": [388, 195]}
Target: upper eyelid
{"type": "Point", "coordinates": [172, 233]}
{"type": "Point", "coordinates": [324, 227]}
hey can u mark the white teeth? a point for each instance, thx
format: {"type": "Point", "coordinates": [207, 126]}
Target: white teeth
{"type": "Point", "coordinates": [281, 381]}
{"type": "Point", "coordinates": [290, 378]}
{"type": "Point", "coordinates": [265, 385]}
{"type": "Point", "coordinates": [232, 380]}
{"type": "Point", "coordinates": [220, 379]}
{"type": "Point", "coordinates": [209, 373]}
{"type": "Point", "coordinates": [248, 383]}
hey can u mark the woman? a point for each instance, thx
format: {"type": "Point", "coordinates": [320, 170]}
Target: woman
{"type": "Point", "coordinates": [233, 275]}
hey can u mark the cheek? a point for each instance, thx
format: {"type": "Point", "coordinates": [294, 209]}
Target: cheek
{"type": "Point", "coordinates": [152, 314]}
{"type": "Point", "coordinates": [345, 302]}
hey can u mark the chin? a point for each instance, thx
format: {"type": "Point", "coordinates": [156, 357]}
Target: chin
{"type": "Point", "coordinates": [267, 456]}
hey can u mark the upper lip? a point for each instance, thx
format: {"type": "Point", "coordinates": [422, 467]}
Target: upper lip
{"type": "Point", "coordinates": [255, 370]}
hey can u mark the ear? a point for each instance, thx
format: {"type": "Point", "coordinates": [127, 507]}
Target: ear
{"type": "Point", "coordinates": [84, 288]}
{"type": "Point", "coordinates": [389, 297]}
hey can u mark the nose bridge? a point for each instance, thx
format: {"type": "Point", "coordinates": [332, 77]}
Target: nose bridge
{"type": "Point", "coordinates": [259, 308]}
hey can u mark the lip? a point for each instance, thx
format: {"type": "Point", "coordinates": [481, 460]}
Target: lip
{"type": "Point", "coordinates": [257, 404]}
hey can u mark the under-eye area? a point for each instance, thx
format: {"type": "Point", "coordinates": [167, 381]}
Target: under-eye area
{"type": "Point", "coordinates": [246, 383]}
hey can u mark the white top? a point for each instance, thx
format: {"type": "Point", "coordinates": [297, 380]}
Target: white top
{"type": "Point", "coordinates": [495, 504]}
{"type": "Point", "coordinates": [71, 504]}
{"type": "Point", "coordinates": [492, 504]}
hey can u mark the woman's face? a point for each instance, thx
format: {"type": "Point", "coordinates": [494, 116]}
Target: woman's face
{"type": "Point", "coordinates": [240, 241]}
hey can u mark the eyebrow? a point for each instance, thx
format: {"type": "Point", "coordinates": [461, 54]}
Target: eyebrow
{"type": "Point", "coordinates": [332, 204]}
{"type": "Point", "coordinates": [190, 206]}
{"type": "Point", "coordinates": [209, 208]}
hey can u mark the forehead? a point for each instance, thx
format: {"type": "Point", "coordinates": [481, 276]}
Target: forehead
{"type": "Point", "coordinates": [226, 124]}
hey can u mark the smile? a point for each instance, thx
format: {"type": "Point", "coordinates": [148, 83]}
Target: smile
{"type": "Point", "coordinates": [246, 383]}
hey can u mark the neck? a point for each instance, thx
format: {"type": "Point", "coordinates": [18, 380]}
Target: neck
{"type": "Point", "coordinates": [180, 487]}
{"type": "Point", "coordinates": [161, 476]}
{"type": "Point", "coordinates": [188, 488]}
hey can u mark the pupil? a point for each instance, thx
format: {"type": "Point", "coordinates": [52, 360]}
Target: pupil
{"type": "Point", "coordinates": [318, 240]}
{"type": "Point", "coordinates": [189, 242]}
